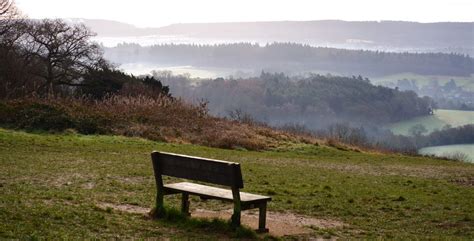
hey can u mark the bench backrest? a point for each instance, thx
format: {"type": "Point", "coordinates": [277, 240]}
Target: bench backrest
{"type": "Point", "coordinates": [197, 169]}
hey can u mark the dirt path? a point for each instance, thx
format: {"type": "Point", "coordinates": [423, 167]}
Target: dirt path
{"type": "Point", "coordinates": [279, 224]}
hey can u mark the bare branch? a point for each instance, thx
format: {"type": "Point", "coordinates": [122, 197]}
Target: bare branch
{"type": "Point", "coordinates": [65, 50]}
{"type": "Point", "coordinates": [8, 10]}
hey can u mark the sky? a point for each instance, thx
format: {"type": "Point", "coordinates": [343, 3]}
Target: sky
{"type": "Point", "coordinates": [156, 13]}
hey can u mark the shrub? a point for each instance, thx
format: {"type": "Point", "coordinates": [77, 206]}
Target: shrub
{"type": "Point", "coordinates": [92, 125]}
{"type": "Point", "coordinates": [43, 117]}
{"type": "Point", "coordinates": [7, 113]}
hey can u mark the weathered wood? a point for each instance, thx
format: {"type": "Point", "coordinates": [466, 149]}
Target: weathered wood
{"type": "Point", "coordinates": [185, 204]}
{"type": "Point", "coordinates": [237, 207]}
{"type": "Point", "coordinates": [209, 192]}
{"type": "Point", "coordinates": [262, 218]}
{"type": "Point", "coordinates": [205, 170]}
{"type": "Point", "coordinates": [159, 207]}
{"type": "Point", "coordinates": [199, 169]}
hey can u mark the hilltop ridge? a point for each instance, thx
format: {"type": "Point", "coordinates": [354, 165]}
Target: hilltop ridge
{"type": "Point", "coordinates": [440, 36]}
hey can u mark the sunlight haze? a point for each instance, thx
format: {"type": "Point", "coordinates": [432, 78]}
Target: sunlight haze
{"type": "Point", "coordinates": [146, 13]}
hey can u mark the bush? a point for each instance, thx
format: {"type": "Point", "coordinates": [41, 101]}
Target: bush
{"type": "Point", "coordinates": [6, 113]}
{"type": "Point", "coordinates": [92, 125]}
{"type": "Point", "coordinates": [43, 117]}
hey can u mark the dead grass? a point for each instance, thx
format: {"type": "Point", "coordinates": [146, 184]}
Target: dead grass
{"type": "Point", "coordinates": [159, 119]}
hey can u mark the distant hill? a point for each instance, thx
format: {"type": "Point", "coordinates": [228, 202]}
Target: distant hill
{"type": "Point", "coordinates": [294, 58]}
{"type": "Point", "coordinates": [110, 28]}
{"type": "Point", "coordinates": [442, 36]}
{"type": "Point", "coordinates": [335, 31]}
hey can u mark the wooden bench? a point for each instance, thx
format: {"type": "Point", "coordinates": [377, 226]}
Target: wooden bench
{"type": "Point", "coordinates": [209, 171]}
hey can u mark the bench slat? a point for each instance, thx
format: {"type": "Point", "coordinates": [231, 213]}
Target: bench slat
{"type": "Point", "coordinates": [198, 169]}
{"type": "Point", "coordinates": [215, 192]}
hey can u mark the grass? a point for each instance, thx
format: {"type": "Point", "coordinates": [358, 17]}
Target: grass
{"type": "Point", "coordinates": [440, 119]}
{"type": "Point", "coordinates": [52, 186]}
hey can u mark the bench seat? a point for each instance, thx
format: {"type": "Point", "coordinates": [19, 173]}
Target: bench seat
{"type": "Point", "coordinates": [212, 192]}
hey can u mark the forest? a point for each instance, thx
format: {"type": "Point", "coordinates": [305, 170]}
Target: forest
{"type": "Point", "coordinates": [294, 58]}
{"type": "Point", "coordinates": [314, 100]}
{"type": "Point", "coordinates": [346, 109]}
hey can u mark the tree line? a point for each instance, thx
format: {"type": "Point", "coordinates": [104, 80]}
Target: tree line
{"type": "Point", "coordinates": [380, 138]}
{"type": "Point", "coordinates": [295, 58]}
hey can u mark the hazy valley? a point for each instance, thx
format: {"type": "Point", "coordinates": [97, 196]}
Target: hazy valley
{"type": "Point", "coordinates": [429, 59]}
{"type": "Point", "coordinates": [345, 129]}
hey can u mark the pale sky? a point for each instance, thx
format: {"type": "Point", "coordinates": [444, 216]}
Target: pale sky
{"type": "Point", "coordinates": [155, 13]}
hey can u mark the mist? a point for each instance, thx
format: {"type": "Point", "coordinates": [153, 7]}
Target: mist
{"type": "Point", "coordinates": [344, 119]}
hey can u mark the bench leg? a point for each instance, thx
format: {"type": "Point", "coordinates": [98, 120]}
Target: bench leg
{"type": "Point", "coordinates": [185, 204]}
{"type": "Point", "coordinates": [237, 207]}
{"type": "Point", "coordinates": [159, 206]}
{"type": "Point", "coordinates": [236, 216]}
{"type": "Point", "coordinates": [262, 218]}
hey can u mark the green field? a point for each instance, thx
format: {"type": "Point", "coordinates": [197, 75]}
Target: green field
{"type": "Point", "coordinates": [422, 80]}
{"type": "Point", "coordinates": [450, 150]}
{"type": "Point", "coordinates": [440, 119]}
{"type": "Point", "coordinates": [194, 72]}
{"type": "Point", "coordinates": [60, 186]}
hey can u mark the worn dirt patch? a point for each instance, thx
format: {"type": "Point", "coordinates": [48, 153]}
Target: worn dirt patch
{"type": "Point", "coordinates": [466, 181]}
{"type": "Point", "coordinates": [88, 185]}
{"type": "Point", "coordinates": [124, 208]}
{"type": "Point", "coordinates": [279, 224]}
{"type": "Point", "coordinates": [132, 180]}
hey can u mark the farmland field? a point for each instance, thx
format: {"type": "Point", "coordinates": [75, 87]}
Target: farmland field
{"type": "Point", "coordinates": [440, 119]}
{"type": "Point", "coordinates": [194, 72]}
{"type": "Point", "coordinates": [422, 80]}
{"type": "Point", "coordinates": [450, 150]}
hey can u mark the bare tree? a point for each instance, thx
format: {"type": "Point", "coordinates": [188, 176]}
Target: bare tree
{"type": "Point", "coordinates": [417, 130]}
{"type": "Point", "coordinates": [9, 13]}
{"type": "Point", "coordinates": [7, 7]}
{"type": "Point", "coordinates": [64, 51]}
{"type": "Point", "coordinates": [12, 28]}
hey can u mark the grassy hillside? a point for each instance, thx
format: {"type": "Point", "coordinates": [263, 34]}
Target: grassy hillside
{"type": "Point", "coordinates": [160, 119]}
{"type": "Point", "coordinates": [60, 185]}
{"type": "Point", "coordinates": [436, 121]}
